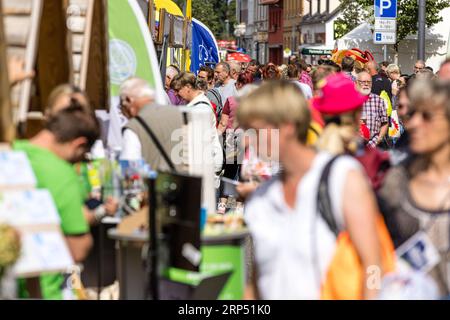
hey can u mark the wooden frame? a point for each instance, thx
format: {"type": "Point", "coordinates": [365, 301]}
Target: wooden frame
{"type": "Point", "coordinates": [97, 83]}
{"type": "Point", "coordinates": [165, 25]}
{"type": "Point", "coordinates": [177, 32]}
{"type": "Point", "coordinates": [151, 20]}
{"type": "Point", "coordinates": [187, 34]}
{"type": "Point", "coordinates": [89, 35]}
{"type": "Point", "coordinates": [22, 27]}
{"type": "Point", "coordinates": [7, 130]}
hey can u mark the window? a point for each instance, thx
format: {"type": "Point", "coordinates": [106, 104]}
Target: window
{"type": "Point", "coordinates": [319, 37]}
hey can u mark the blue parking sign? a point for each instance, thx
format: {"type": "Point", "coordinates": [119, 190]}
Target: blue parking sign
{"type": "Point", "coordinates": [385, 9]}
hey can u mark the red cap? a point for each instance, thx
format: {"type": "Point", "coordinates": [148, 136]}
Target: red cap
{"type": "Point", "coordinates": [338, 95]}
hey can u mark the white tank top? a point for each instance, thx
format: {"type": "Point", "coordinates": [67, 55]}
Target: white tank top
{"type": "Point", "coordinates": [283, 237]}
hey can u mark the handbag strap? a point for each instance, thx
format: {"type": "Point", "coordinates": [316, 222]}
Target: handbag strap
{"type": "Point", "coordinates": [324, 208]}
{"type": "Point", "coordinates": [156, 142]}
{"type": "Point", "coordinates": [325, 211]}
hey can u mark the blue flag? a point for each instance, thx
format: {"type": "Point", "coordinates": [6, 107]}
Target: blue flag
{"type": "Point", "coordinates": [204, 49]}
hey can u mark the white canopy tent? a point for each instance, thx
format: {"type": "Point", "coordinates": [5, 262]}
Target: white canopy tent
{"type": "Point", "coordinates": [435, 50]}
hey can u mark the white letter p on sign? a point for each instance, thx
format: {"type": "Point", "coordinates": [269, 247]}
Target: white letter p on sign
{"type": "Point", "coordinates": [384, 5]}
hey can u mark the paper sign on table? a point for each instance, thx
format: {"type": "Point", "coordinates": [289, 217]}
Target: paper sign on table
{"type": "Point", "coordinates": [15, 170]}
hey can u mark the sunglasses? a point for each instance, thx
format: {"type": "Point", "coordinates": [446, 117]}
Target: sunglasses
{"type": "Point", "coordinates": [427, 116]}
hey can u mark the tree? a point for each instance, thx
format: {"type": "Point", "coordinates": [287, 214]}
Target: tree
{"type": "Point", "coordinates": [213, 13]}
{"type": "Point", "coordinates": [407, 16]}
{"type": "Point", "coordinates": [353, 14]}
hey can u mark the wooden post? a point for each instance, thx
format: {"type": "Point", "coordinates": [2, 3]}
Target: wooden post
{"type": "Point", "coordinates": [97, 80]}
{"type": "Point", "coordinates": [53, 55]}
{"type": "Point", "coordinates": [7, 130]}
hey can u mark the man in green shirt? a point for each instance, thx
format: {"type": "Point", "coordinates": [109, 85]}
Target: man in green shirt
{"type": "Point", "coordinates": [66, 138]}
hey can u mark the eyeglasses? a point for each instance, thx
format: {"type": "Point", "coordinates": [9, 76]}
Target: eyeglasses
{"type": "Point", "coordinates": [365, 82]}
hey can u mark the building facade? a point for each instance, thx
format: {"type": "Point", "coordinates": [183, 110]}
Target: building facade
{"type": "Point", "coordinates": [317, 28]}
{"type": "Point", "coordinates": [246, 16]}
{"type": "Point", "coordinates": [275, 30]}
{"type": "Point", "coordinates": [260, 35]}
{"type": "Point", "coordinates": [293, 10]}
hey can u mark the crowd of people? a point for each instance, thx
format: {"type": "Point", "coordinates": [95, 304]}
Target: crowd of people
{"type": "Point", "coordinates": [382, 136]}
{"type": "Point", "coordinates": [362, 154]}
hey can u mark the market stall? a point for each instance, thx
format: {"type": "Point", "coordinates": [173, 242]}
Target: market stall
{"type": "Point", "coordinates": [220, 254]}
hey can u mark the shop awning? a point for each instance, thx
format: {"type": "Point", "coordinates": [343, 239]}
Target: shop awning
{"type": "Point", "coordinates": [239, 57]}
{"type": "Point", "coordinates": [311, 51]}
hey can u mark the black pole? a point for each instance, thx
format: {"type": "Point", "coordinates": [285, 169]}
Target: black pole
{"type": "Point", "coordinates": [153, 244]}
{"type": "Point", "coordinates": [421, 33]}
{"type": "Point", "coordinates": [163, 58]}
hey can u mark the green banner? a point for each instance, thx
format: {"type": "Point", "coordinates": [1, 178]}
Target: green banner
{"type": "Point", "coordinates": [131, 54]}
{"type": "Point", "coordinates": [131, 50]}
{"type": "Point", "coordinates": [222, 258]}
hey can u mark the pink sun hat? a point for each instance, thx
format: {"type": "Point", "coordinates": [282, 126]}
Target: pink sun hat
{"type": "Point", "coordinates": [338, 95]}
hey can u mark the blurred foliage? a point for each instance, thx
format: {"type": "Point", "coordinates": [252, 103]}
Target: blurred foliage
{"type": "Point", "coordinates": [214, 13]}
{"type": "Point", "coordinates": [9, 247]}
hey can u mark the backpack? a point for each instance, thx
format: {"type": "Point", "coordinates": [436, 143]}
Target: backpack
{"type": "Point", "coordinates": [218, 97]}
{"type": "Point", "coordinates": [344, 279]}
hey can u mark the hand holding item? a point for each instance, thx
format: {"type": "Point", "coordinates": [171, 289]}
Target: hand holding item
{"type": "Point", "coordinates": [16, 71]}
{"type": "Point", "coordinates": [245, 189]}
{"type": "Point", "coordinates": [111, 206]}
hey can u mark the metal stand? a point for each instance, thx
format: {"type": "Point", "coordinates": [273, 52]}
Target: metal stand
{"type": "Point", "coordinates": [152, 257]}
{"type": "Point", "coordinates": [421, 31]}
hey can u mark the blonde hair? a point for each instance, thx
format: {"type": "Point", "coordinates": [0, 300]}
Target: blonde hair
{"type": "Point", "coordinates": [392, 68]}
{"type": "Point", "coordinates": [340, 138]}
{"type": "Point", "coordinates": [67, 90]}
{"type": "Point", "coordinates": [276, 102]}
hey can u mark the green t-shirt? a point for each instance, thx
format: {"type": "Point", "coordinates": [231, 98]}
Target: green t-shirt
{"type": "Point", "coordinates": [60, 179]}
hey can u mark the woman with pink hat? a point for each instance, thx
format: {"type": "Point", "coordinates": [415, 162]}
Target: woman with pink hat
{"type": "Point", "coordinates": [340, 104]}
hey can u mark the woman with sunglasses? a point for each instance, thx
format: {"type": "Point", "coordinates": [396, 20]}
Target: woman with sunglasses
{"type": "Point", "coordinates": [415, 197]}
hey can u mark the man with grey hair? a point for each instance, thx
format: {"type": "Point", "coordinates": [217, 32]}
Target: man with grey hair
{"type": "Point", "coordinates": [226, 85]}
{"type": "Point", "coordinates": [134, 94]}
{"type": "Point", "coordinates": [374, 111]}
{"type": "Point", "coordinates": [419, 65]}
{"type": "Point", "coordinates": [235, 69]}
{"type": "Point", "coordinates": [138, 105]}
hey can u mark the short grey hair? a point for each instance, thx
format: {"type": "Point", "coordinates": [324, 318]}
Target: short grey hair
{"type": "Point", "coordinates": [172, 71]}
{"type": "Point", "coordinates": [235, 66]}
{"type": "Point", "coordinates": [137, 88]}
{"type": "Point", "coordinates": [421, 62]}
{"type": "Point", "coordinates": [225, 66]}
{"type": "Point", "coordinates": [393, 68]}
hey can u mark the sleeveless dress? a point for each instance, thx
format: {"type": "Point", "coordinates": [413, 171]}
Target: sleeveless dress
{"type": "Point", "coordinates": [404, 218]}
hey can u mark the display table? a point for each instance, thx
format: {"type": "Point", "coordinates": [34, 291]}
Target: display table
{"type": "Point", "coordinates": [220, 253]}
